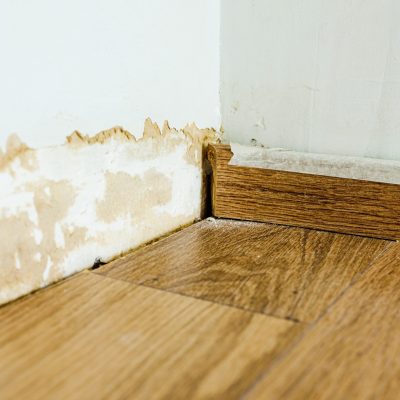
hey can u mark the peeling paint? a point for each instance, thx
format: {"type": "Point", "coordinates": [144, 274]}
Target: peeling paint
{"type": "Point", "coordinates": [92, 198]}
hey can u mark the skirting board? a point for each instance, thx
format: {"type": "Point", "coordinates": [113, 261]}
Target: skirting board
{"type": "Point", "coordinates": [352, 206]}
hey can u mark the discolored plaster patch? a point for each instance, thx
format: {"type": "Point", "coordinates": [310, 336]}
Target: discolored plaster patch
{"type": "Point", "coordinates": [52, 201]}
{"type": "Point", "coordinates": [17, 150]}
{"type": "Point", "coordinates": [30, 256]}
{"type": "Point", "coordinates": [61, 208]}
{"type": "Point", "coordinates": [133, 197]}
{"type": "Point", "coordinates": [17, 243]}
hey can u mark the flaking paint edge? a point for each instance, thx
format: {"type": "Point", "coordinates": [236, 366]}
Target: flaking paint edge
{"type": "Point", "coordinates": [94, 198]}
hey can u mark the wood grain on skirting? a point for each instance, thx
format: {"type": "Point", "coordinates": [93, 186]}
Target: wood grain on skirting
{"type": "Point", "coordinates": [321, 202]}
{"type": "Point", "coordinates": [92, 337]}
{"type": "Point", "coordinates": [291, 273]}
{"type": "Point", "coordinates": [353, 352]}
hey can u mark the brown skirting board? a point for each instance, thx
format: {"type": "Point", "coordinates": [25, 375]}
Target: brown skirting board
{"type": "Point", "coordinates": [313, 201]}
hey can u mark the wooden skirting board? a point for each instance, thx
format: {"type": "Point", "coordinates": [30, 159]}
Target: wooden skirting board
{"type": "Point", "coordinates": [329, 203]}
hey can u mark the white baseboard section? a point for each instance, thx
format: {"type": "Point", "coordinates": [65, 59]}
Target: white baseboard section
{"type": "Point", "coordinates": [368, 169]}
{"type": "Point", "coordinates": [64, 208]}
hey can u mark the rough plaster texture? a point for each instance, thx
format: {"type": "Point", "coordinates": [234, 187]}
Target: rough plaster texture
{"type": "Point", "coordinates": [64, 207]}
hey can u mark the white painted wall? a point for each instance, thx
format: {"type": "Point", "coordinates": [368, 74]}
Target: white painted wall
{"type": "Point", "coordinates": [312, 75]}
{"type": "Point", "coordinates": [93, 64]}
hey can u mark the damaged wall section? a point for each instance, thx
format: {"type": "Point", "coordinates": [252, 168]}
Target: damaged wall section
{"type": "Point", "coordinates": [62, 208]}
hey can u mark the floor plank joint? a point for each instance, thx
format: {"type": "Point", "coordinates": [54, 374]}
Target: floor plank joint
{"type": "Point", "coordinates": [220, 309]}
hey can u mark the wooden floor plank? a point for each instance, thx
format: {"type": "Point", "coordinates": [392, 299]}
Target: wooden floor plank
{"type": "Point", "coordinates": [291, 273]}
{"type": "Point", "coordinates": [314, 201]}
{"type": "Point", "coordinates": [93, 337]}
{"type": "Point", "coordinates": [353, 352]}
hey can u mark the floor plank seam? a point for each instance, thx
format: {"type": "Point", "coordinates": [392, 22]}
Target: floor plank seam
{"type": "Point", "coordinates": [40, 290]}
{"type": "Point", "coordinates": [310, 326]}
{"type": "Point", "coordinates": [289, 319]}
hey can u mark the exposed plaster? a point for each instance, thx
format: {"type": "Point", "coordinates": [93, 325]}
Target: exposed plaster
{"type": "Point", "coordinates": [94, 198]}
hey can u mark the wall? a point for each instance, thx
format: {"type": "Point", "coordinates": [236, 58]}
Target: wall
{"type": "Point", "coordinates": [66, 208]}
{"type": "Point", "coordinates": [89, 66]}
{"type": "Point", "coordinates": [93, 64]}
{"type": "Point", "coordinates": [315, 75]}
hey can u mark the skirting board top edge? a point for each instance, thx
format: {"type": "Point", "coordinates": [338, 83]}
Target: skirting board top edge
{"type": "Point", "coordinates": [360, 168]}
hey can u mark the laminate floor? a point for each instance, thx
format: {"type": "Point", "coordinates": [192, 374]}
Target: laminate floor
{"type": "Point", "coordinates": [222, 309]}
